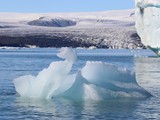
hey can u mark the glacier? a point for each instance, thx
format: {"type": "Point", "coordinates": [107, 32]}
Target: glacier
{"type": "Point", "coordinates": [148, 23]}
{"type": "Point", "coordinates": [107, 29]}
{"type": "Point", "coordinates": [95, 81]}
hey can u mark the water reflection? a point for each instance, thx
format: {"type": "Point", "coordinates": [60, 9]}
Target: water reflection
{"type": "Point", "coordinates": [148, 74]}
{"type": "Point", "coordinates": [67, 109]}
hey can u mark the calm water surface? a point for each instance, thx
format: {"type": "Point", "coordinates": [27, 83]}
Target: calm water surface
{"type": "Point", "coordinates": [15, 63]}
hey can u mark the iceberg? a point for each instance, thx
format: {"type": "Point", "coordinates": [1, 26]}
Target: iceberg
{"type": "Point", "coordinates": [148, 23]}
{"type": "Point", "coordinates": [53, 80]}
{"type": "Point", "coordinates": [95, 81]}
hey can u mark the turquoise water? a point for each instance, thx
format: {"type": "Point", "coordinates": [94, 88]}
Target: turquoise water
{"type": "Point", "coordinates": [19, 62]}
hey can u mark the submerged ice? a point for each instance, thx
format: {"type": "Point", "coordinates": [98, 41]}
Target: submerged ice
{"type": "Point", "coordinates": [148, 22]}
{"type": "Point", "coordinates": [95, 81]}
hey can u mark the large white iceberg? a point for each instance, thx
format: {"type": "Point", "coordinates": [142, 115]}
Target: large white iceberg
{"type": "Point", "coordinates": [95, 81]}
{"type": "Point", "coordinates": [148, 23]}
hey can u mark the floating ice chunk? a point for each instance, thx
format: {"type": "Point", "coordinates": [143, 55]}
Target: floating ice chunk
{"type": "Point", "coordinates": [51, 81]}
{"type": "Point", "coordinates": [96, 81]}
{"type": "Point", "coordinates": [111, 82]}
{"type": "Point", "coordinates": [148, 23]}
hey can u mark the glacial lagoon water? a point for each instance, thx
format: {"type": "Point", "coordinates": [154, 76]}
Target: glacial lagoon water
{"type": "Point", "coordinates": [19, 62]}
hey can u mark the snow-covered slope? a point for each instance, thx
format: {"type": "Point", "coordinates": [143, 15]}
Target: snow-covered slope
{"type": "Point", "coordinates": [148, 22]}
{"type": "Point", "coordinates": [109, 29]}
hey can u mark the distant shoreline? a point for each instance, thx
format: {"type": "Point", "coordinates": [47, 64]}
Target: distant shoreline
{"type": "Point", "coordinates": [43, 41]}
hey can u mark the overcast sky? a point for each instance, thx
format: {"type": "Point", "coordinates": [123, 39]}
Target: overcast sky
{"type": "Point", "coordinates": [44, 6]}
